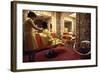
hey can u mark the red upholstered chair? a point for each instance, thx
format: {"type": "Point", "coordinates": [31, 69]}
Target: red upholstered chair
{"type": "Point", "coordinates": [41, 41]}
{"type": "Point", "coordinates": [67, 40]}
{"type": "Point", "coordinates": [38, 41]}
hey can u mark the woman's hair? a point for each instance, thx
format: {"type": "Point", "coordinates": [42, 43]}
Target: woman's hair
{"type": "Point", "coordinates": [31, 14]}
{"type": "Point", "coordinates": [44, 25]}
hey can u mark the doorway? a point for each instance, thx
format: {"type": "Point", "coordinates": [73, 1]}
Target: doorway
{"type": "Point", "coordinates": [68, 26]}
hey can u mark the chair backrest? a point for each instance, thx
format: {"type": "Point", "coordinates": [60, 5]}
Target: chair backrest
{"type": "Point", "coordinates": [87, 43]}
{"type": "Point", "coordinates": [39, 41]}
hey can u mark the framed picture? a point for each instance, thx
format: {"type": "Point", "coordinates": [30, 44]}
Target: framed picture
{"type": "Point", "coordinates": [47, 36]}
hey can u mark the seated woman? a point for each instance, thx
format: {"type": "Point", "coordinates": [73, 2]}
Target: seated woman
{"type": "Point", "coordinates": [50, 38]}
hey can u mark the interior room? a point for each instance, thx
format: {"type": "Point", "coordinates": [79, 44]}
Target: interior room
{"type": "Point", "coordinates": [64, 36]}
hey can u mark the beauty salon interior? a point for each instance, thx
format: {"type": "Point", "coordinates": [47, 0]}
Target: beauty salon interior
{"type": "Point", "coordinates": [63, 36]}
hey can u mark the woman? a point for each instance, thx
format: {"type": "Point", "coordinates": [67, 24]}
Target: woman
{"type": "Point", "coordinates": [28, 29]}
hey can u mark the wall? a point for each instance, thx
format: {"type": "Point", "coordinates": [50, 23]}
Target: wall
{"type": "Point", "coordinates": [5, 37]}
{"type": "Point", "coordinates": [83, 24]}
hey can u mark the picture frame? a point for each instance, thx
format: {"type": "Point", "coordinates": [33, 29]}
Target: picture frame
{"type": "Point", "coordinates": [89, 13]}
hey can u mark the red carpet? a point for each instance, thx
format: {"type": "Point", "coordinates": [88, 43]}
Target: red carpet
{"type": "Point", "coordinates": [62, 52]}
